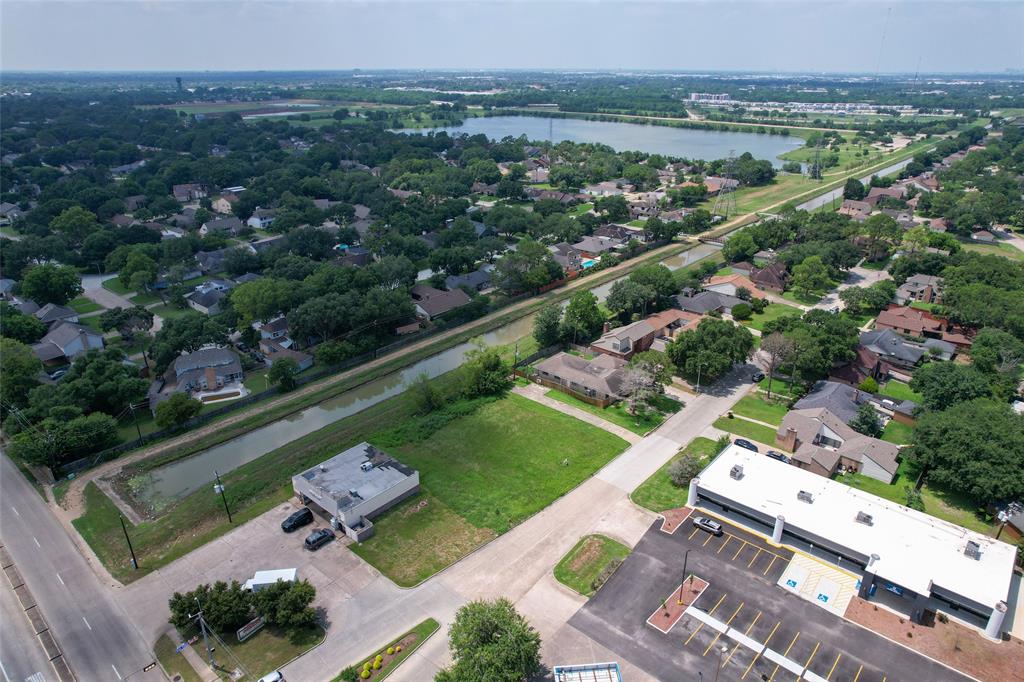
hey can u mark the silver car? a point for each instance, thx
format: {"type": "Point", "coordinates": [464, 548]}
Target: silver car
{"type": "Point", "coordinates": [707, 525]}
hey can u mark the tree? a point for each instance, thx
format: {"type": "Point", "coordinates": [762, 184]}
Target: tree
{"type": "Point", "coordinates": [639, 387]}
{"type": "Point", "coordinates": [15, 325]}
{"type": "Point", "coordinates": [740, 247]}
{"type": "Point", "coordinates": [177, 410]}
{"type": "Point", "coordinates": [138, 272]}
{"type": "Point", "coordinates": [127, 321]}
{"type": "Point", "coordinates": [486, 372]}
{"type": "Point", "coordinates": [583, 319]}
{"type": "Point", "coordinates": [628, 297]}
{"type": "Point", "coordinates": [881, 231]}
{"type": "Point", "coordinates": [657, 364]}
{"type": "Point", "coordinates": [973, 448]}
{"type": "Point", "coordinates": [869, 385]}
{"type": "Point", "coordinates": [331, 353]}
{"type": "Point", "coordinates": [866, 421]}
{"type": "Point", "coordinates": [528, 268]}
{"type": "Point", "coordinates": [19, 373]}
{"type": "Point", "coordinates": [282, 373]}
{"type": "Point", "coordinates": [262, 299]}
{"type": "Point", "coordinates": [741, 311]}
{"type": "Point", "coordinates": [49, 283]}
{"type": "Point", "coordinates": [916, 239]}
{"type": "Point", "coordinates": [426, 394]}
{"type": "Point", "coordinates": [854, 189]}
{"type": "Point", "coordinates": [683, 470]}
{"type": "Point", "coordinates": [712, 349]}
{"type": "Point", "coordinates": [777, 349]}
{"type": "Point", "coordinates": [615, 208]}
{"type": "Point", "coordinates": [75, 224]}
{"type": "Point", "coordinates": [810, 275]}
{"type": "Point", "coordinates": [53, 441]}
{"type": "Point", "coordinates": [491, 641]}
{"type": "Point", "coordinates": [944, 384]}
{"type": "Point", "coordinates": [547, 326]}
{"type": "Point", "coordinates": [226, 607]}
{"type": "Point", "coordinates": [187, 333]}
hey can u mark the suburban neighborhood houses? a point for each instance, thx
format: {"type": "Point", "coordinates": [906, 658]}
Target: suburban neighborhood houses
{"type": "Point", "coordinates": [476, 375]}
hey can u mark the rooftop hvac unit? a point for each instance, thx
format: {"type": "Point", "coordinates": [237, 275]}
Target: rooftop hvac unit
{"type": "Point", "coordinates": [366, 466]}
{"type": "Point", "coordinates": [805, 496]}
{"type": "Point", "coordinates": [353, 492]}
{"type": "Point", "coordinates": [866, 519]}
{"type": "Point", "coordinates": [736, 471]}
{"type": "Point", "coordinates": [973, 550]}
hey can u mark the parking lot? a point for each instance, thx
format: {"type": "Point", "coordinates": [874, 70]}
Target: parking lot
{"type": "Point", "coordinates": [753, 624]}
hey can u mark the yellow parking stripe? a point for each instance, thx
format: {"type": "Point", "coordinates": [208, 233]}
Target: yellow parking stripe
{"type": "Point", "coordinates": [695, 531]}
{"type": "Point", "coordinates": [770, 565]}
{"type": "Point", "coordinates": [693, 634]}
{"type": "Point", "coordinates": [770, 635]}
{"type": "Point", "coordinates": [719, 634]}
{"type": "Point", "coordinates": [808, 663]}
{"type": "Point", "coordinates": [733, 616]}
{"type": "Point", "coordinates": [708, 540]}
{"type": "Point", "coordinates": [857, 676]}
{"type": "Point", "coordinates": [717, 604]}
{"type": "Point", "coordinates": [795, 637]}
{"type": "Point", "coordinates": [739, 550]}
{"type": "Point", "coordinates": [727, 539]}
{"type": "Point", "coordinates": [829, 676]}
{"type": "Point", "coordinates": [729, 657]}
{"type": "Point", "coordinates": [759, 550]}
{"type": "Point", "coordinates": [753, 623]}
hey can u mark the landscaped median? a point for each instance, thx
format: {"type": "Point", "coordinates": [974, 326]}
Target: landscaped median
{"type": "Point", "coordinates": [590, 563]}
{"type": "Point", "coordinates": [381, 663]}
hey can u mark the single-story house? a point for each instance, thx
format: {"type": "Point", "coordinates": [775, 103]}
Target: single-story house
{"type": "Point", "coordinates": [875, 194]}
{"type": "Point", "coordinates": [212, 261]}
{"type": "Point", "coordinates": [191, 191]}
{"type": "Point", "coordinates": [716, 184]}
{"type": "Point", "coordinates": [7, 289]}
{"type": "Point", "coordinates": [731, 284]}
{"type": "Point", "coordinates": [705, 301]}
{"type": "Point", "coordinates": [597, 381]}
{"type": "Point", "coordinates": [261, 245]}
{"type": "Point", "coordinates": [207, 296]}
{"type": "Point", "coordinates": [66, 341]}
{"type": "Point", "coordinates": [431, 303]}
{"type": "Point", "coordinates": [274, 350]}
{"type": "Point", "coordinates": [477, 280]}
{"type": "Point", "coordinates": [52, 313]}
{"type": "Point", "coordinates": [230, 225]}
{"type": "Point", "coordinates": [983, 236]}
{"type": "Point", "coordinates": [841, 400]}
{"type": "Point", "coordinates": [772, 277]}
{"type": "Point", "coordinates": [9, 213]}
{"type": "Point", "coordinates": [594, 247]}
{"type": "Point", "coordinates": [858, 210]}
{"type": "Point", "coordinates": [822, 443]}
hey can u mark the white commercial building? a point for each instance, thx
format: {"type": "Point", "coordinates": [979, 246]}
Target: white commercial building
{"type": "Point", "coordinates": [929, 563]}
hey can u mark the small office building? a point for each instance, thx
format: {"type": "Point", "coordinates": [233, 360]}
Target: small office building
{"type": "Point", "coordinates": [355, 486]}
{"type": "Point", "coordinates": [928, 564]}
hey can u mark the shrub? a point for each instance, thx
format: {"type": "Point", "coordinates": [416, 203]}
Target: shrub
{"type": "Point", "coordinates": [684, 469]}
{"type": "Point", "coordinates": [378, 659]}
{"type": "Point", "coordinates": [376, 665]}
{"type": "Point", "coordinates": [869, 385]}
{"type": "Point", "coordinates": [605, 573]}
{"type": "Point", "coordinates": [366, 666]}
{"type": "Point", "coordinates": [741, 311]}
{"type": "Point", "coordinates": [365, 674]}
{"type": "Point", "coordinates": [391, 651]}
{"type": "Point", "coordinates": [398, 648]}
{"type": "Point", "coordinates": [349, 674]}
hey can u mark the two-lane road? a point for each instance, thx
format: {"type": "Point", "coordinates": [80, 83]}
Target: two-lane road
{"type": "Point", "coordinates": [97, 638]}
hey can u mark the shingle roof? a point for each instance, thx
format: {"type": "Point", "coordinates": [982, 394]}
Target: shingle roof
{"type": "Point", "coordinates": [840, 399]}
{"type": "Point", "coordinates": [603, 374]}
{"type": "Point", "coordinates": [887, 343]}
{"type": "Point", "coordinates": [51, 311]}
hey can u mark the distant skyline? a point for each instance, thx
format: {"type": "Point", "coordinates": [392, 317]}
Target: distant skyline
{"type": "Point", "coordinates": [244, 35]}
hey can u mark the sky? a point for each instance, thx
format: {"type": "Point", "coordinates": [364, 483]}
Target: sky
{"type": "Point", "coordinates": [866, 36]}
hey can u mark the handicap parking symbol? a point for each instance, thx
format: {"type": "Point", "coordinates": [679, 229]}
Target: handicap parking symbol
{"type": "Point", "coordinates": [790, 582]}
{"type": "Point", "coordinates": [823, 598]}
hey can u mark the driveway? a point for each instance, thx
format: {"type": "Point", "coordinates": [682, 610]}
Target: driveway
{"type": "Point", "coordinates": [856, 277]}
{"type": "Point", "coordinates": [93, 289]}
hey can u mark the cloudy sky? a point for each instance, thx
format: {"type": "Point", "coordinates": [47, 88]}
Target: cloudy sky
{"type": "Point", "coordinates": [762, 35]}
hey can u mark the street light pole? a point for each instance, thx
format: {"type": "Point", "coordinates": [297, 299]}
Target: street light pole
{"type": "Point", "coordinates": [721, 652]}
{"type": "Point", "coordinates": [699, 365]}
{"type": "Point", "coordinates": [131, 550]}
{"type": "Point", "coordinates": [219, 488]}
{"type": "Point", "coordinates": [679, 601]}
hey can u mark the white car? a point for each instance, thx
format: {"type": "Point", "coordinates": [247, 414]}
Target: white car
{"type": "Point", "coordinates": [275, 676]}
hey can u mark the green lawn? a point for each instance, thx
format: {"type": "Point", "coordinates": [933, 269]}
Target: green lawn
{"type": "Point", "coordinates": [114, 284]}
{"type": "Point", "coordinates": [745, 429]}
{"type": "Point", "coordinates": [772, 311]}
{"type": "Point", "coordinates": [921, 305]}
{"type": "Point", "coordinates": [174, 663]}
{"type": "Point", "coordinates": [619, 415]}
{"type": "Point", "coordinates": [1007, 250]}
{"type": "Point", "coordinates": [761, 409]}
{"type": "Point", "coordinates": [780, 387]}
{"type": "Point", "coordinates": [145, 299]}
{"type": "Point", "coordinates": [270, 648]}
{"type": "Point", "coordinates": [900, 391]}
{"type": "Point", "coordinates": [637, 223]}
{"type": "Point", "coordinates": [576, 211]}
{"type": "Point", "coordinates": [83, 305]}
{"type": "Point", "coordinates": [658, 493]}
{"type": "Point", "coordinates": [590, 563]}
{"type": "Point", "coordinates": [875, 265]}
{"type": "Point", "coordinates": [481, 474]}
{"type": "Point", "coordinates": [170, 312]}
{"type": "Point", "coordinates": [898, 433]}
{"type": "Point", "coordinates": [409, 642]}
{"type": "Point", "coordinates": [812, 299]}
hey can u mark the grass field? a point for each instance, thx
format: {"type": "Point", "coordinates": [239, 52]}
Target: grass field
{"type": "Point", "coordinates": [115, 285]}
{"type": "Point", "coordinates": [580, 210]}
{"type": "Point", "coordinates": [760, 409]}
{"type": "Point", "coordinates": [900, 391]}
{"type": "Point", "coordinates": [658, 493]}
{"type": "Point", "coordinates": [1007, 250]}
{"type": "Point", "coordinates": [921, 305]}
{"type": "Point", "coordinates": [812, 299]}
{"type": "Point", "coordinates": [590, 563]}
{"type": "Point", "coordinates": [169, 312]}
{"type": "Point", "coordinates": [780, 387]}
{"type": "Point", "coordinates": [83, 305]}
{"type": "Point", "coordinates": [619, 415]}
{"type": "Point", "coordinates": [745, 429]}
{"type": "Point", "coordinates": [772, 311]}
{"type": "Point", "coordinates": [421, 633]}
{"type": "Point", "coordinates": [174, 663]}
{"type": "Point", "coordinates": [898, 433]}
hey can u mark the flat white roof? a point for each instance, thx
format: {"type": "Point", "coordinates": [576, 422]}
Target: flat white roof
{"type": "Point", "coordinates": [915, 550]}
{"type": "Point", "coordinates": [288, 575]}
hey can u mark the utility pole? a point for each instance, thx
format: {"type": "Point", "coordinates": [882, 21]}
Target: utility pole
{"type": "Point", "coordinates": [699, 365]}
{"type": "Point", "coordinates": [131, 550]}
{"type": "Point", "coordinates": [131, 406]}
{"type": "Point", "coordinates": [206, 639]}
{"type": "Point", "coordinates": [219, 488]}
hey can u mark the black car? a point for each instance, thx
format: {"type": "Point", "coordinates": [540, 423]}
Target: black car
{"type": "Point", "coordinates": [319, 538]}
{"type": "Point", "coordinates": [301, 518]}
{"type": "Point", "coordinates": [757, 376]}
{"type": "Point", "coordinates": [707, 525]}
{"type": "Point", "coordinates": [775, 454]}
{"type": "Point", "coordinates": [744, 443]}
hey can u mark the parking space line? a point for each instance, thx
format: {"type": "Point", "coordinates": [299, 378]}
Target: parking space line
{"type": "Point", "coordinates": [694, 633]}
{"type": "Point", "coordinates": [753, 623]}
{"type": "Point", "coordinates": [708, 540]}
{"type": "Point", "coordinates": [713, 608]}
{"type": "Point", "coordinates": [728, 537]}
{"type": "Point", "coordinates": [795, 637]}
{"type": "Point", "coordinates": [808, 663]}
{"type": "Point", "coordinates": [747, 632]}
{"type": "Point", "coordinates": [759, 550]}
{"type": "Point", "coordinates": [857, 676]}
{"type": "Point", "coordinates": [729, 657]}
{"type": "Point", "coordinates": [770, 635]}
{"type": "Point", "coordinates": [829, 676]}
{"type": "Point", "coordinates": [739, 550]}
{"type": "Point", "coordinates": [695, 531]}
{"type": "Point", "coordinates": [717, 635]}
{"type": "Point", "coordinates": [770, 565]}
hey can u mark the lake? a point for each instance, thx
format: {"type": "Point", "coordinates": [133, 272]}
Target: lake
{"type": "Point", "coordinates": [690, 143]}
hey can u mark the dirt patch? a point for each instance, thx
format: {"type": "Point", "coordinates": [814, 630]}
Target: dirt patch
{"type": "Point", "coordinates": [671, 519]}
{"type": "Point", "coordinates": [416, 508]}
{"type": "Point", "coordinates": [590, 551]}
{"type": "Point", "coordinates": [955, 645]}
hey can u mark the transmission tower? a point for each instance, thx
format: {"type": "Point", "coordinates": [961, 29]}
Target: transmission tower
{"type": "Point", "coordinates": [816, 168]}
{"type": "Point", "coordinates": [725, 202]}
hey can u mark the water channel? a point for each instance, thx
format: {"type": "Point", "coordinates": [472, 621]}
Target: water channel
{"type": "Point", "coordinates": [690, 143]}
{"type": "Point", "coordinates": [187, 475]}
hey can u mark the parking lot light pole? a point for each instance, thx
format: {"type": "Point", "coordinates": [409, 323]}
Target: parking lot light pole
{"type": "Point", "coordinates": [219, 488]}
{"type": "Point", "coordinates": [721, 652]}
{"type": "Point", "coordinates": [679, 601]}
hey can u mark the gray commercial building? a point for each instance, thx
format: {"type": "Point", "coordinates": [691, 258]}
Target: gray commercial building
{"type": "Point", "coordinates": [355, 486]}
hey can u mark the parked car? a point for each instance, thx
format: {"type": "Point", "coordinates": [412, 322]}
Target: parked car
{"type": "Point", "coordinates": [834, 310]}
{"type": "Point", "coordinates": [775, 454]}
{"type": "Point", "coordinates": [275, 676]}
{"type": "Point", "coordinates": [744, 443]}
{"type": "Point", "coordinates": [319, 538]}
{"type": "Point", "coordinates": [707, 525]}
{"type": "Point", "coordinates": [301, 518]}
{"type": "Point", "coordinates": [57, 374]}
{"type": "Point", "coordinates": [757, 376]}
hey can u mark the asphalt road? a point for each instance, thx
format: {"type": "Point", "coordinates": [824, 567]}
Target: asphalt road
{"type": "Point", "coordinates": [743, 593]}
{"type": "Point", "coordinates": [21, 657]}
{"type": "Point", "coordinates": [96, 636]}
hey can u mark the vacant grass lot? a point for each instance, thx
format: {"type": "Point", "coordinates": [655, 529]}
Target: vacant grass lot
{"type": "Point", "coordinates": [658, 493]}
{"type": "Point", "coordinates": [1007, 250]}
{"type": "Point", "coordinates": [809, 299]}
{"type": "Point", "coordinates": [772, 311]}
{"type": "Point", "coordinates": [898, 433]}
{"type": "Point", "coordinates": [619, 415]}
{"type": "Point", "coordinates": [900, 391]}
{"type": "Point", "coordinates": [115, 285]}
{"type": "Point", "coordinates": [587, 562]}
{"type": "Point", "coordinates": [761, 409]}
{"type": "Point", "coordinates": [83, 305]}
{"type": "Point", "coordinates": [745, 429]}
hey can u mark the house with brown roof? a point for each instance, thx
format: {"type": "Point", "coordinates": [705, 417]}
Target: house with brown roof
{"type": "Point", "coordinates": [731, 284]}
{"type": "Point", "coordinates": [876, 194]}
{"type": "Point", "coordinates": [921, 323]}
{"type": "Point", "coordinates": [924, 288]}
{"type": "Point", "coordinates": [772, 277]}
{"type": "Point", "coordinates": [191, 191]}
{"type": "Point", "coordinates": [626, 341]}
{"type": "Point", "coordinates": [431, 303]}
{"type": "Point", "coordinates": [822, 443]}
{"type": "Point", "coordinates": [858, 210]}
{"type": "Point", "coordinates": [938, 225]}
{"type": "Point", "coordinates": [715, 184]}
{"type": "Point", "coordinates": [597, 381]}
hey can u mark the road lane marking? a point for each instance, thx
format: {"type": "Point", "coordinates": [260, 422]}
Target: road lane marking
{"type": "Point", "coordinates": [765, 646]}
{"type": "Point", "coordinates": [727, 539]}
{"type": "Point", "coordinates": [829, 676]}
{"type": "Point", "coordinates": [37, 542]}
{"type": "Point", "coordinates": [770, 565]}
{"type": "Point", "coordinates": [808, 663]}
{"type": "Point", "coordinates": [59, 578]}
{"type": "Point", "coordinates": [116, 673]}
{"type": "Point", "coordinates": [86, 623]}
{"type": "Point", "coordinates": [14, 509]}
{"type": "Point", "coordinates": [739, 550]}
{"type": "Point", "coordinates": [755, 557]}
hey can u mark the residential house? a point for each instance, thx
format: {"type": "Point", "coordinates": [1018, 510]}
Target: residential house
{"type": "Point", "coordinates": [538, 175]}
{"type": "Point", "coordinates": [246, 278]}
{"type": "Point", "coordinates": [484, 188]}
{"type": "Point", "coordinates": [127, 168]}
{"type": "Point", "coordinates": [921, 323]}
{"type": "Point", "coordinates": [325, 204]}
{"type": "Point", "coordinates": [772, 277]}
{"type": "Point", "coordinates": [876, 194]}
{"type": "Point", "coordinates": [134, 202]}
{"type": "Point", "coordinates": [865, 364]}
{"type": "Point", "coordinates": [1012, 515]}
{"type": "Point", "coordinates": [402, 193]}
{"type": "Point", "coordinates": [567, 256]}
{"type": "Point", "coordinates": [267, 243]}
{"type": "Point", "coordinates": [121, 220]}
{"type": "Point", "coordinates": [626, 341]}
{"type": "Point", "coordinates": [705, 301]}
{"type": "Point", "coordinates": [65, 341]}
{"type": "Point", "coordinates": [9, 213]}
{"type": "Point", "coordinates": [274, 350]}
{"type": "Point", "coordinates": [646, 207]}
{"type": "Point", "coordinates": [824, 444]}
{"type": "Point", "coordinates": [51, 313]}
{"type": "Point", "coordinates": [840, 399]}
{"type": "Point", "coordinates": [354, 256]}
{"type": "Point", "coordinates": [207, 297]}
{"type": "Point", "coordinates": [228, 225]}
{"type": "Point", "coordinates": [224, 203]}
{"type": "Point", "coordinates": [730, 285]}
{"type": "Point", "coordinates": [276, 330]}
{"type": "Point", "coordinates": [431, 303]}
{"type": "Point", "coordinates": [211, 261]}
{"type": "Point", "coordinates": [477, 280]}
{"type": "Point", "coordinates": [858, 210]}
{"type": "Point", "coordinates": [185, 219]}
{"type": "Point", "coordinates": [261, 218]}
{"type": "Point", "coordinates": [206, 369]}
{"type": "Point", "coordinates": [597, 381]}
{"type": "Point", "coordinates": [923, 288]}
{"type": "Point", "coordinates": [595, 247]}
{"type": "Point", "coordinates": [191, 191]}
{"type": "Point", "coordinates": [938, 225]}
{"type": "Point", "coordinates": [715, 184]}
{"type": "Point", "coordinates": [7, 289]}
{"type": "Point", "coordinates": [609, 188]}
{"type": "Point", "coordinates": [983, 236]}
